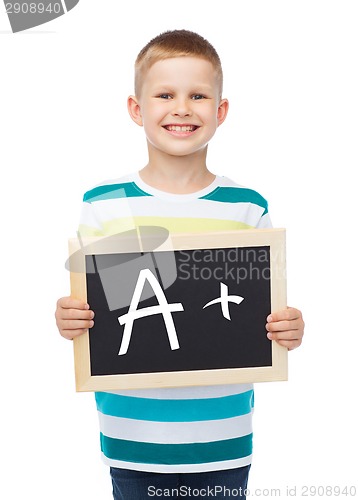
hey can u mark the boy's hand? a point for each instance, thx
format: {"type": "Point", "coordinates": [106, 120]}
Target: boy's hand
{"type": "Point", "coordinates": [73, 317]}
{"type": "Point", "coordinates": [286, 327]}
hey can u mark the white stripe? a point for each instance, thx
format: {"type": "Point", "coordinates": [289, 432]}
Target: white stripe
{"type": "Point", "coordinates": [88, 217]}
{"type": "Point", "coordinates": [264, 222]}
{"type": "Point", "coordinates": [155, 207]}
{"type": "Point", "coordinates": [107, 210]}
{"type": "Point", "coordinates": [206, 467]}
{"type": "Point", "coordinates": [175, 432]}
{"type": "Point", "coordinates": [206, 209]}
{"type": "Point", "coordinates": [195, 392]}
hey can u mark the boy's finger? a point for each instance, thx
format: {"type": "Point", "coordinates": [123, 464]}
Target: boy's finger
{"type": "Point", "coordinates": [288, 314]}
{"type": "Point", "coordinates": [285, 335]}
{"type": "Point", "coordinates": [283, 326]}
{"type": "Point", "coordinates": [290, 344]}
{"type": "Point", "coordinates": [77, 324]}
{"type": "Point", "coordinates": [71, 303]}
{"type": "Point", "coordinates": [71, 334]}
{"type": "Point", "coordinates": [67, 314]}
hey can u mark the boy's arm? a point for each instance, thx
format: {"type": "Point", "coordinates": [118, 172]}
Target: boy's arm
{"type": "Point", "coordinates": [73, 317]}
{"type": "Point", "coordinates": [286, 327]}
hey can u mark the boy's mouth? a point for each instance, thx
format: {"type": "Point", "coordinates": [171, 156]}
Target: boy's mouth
{"type": "Point", "coordinates": [181, 128]}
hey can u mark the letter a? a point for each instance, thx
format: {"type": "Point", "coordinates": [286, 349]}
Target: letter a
{"type": "Point", "coordinates": [162, 308]}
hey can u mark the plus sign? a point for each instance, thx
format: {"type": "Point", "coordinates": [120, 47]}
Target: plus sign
{"type": "Point", "coordinates": [224, 299]}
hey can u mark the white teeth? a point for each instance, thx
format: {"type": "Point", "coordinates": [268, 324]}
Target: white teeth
{"type": "Point", "coordinates": [179, 128]}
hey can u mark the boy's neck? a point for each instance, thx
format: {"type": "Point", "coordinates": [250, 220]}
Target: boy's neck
{"type": "Point", "coordinates": [177, 174]}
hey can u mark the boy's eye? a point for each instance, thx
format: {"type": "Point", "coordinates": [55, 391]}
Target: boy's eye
{"type": "Point", "coordinates": [194, 97]}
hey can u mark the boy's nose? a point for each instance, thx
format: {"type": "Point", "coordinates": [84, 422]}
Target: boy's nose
{"type": "Point", "coordinates": [181, 108]}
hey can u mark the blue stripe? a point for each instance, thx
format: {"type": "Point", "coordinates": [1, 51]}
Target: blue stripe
{"type": "Point", "coordinates": [227, 194]}
{"type": "Point", "coordinates": [174, 410]}
{"type": "Point", "coordinates": [172, 454]}
{"type": "Point", "coordinates": [111, 191]}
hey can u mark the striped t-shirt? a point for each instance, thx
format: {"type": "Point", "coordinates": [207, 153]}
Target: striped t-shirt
{"type": "Point", "coordinates": [185, 429]}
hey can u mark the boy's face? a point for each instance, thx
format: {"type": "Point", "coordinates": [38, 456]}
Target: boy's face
{"type": "Point", "coordinates": [179, 105]}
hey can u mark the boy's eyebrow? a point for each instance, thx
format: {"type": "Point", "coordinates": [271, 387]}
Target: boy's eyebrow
{"type": "Point", "coordinates": [169, 87]}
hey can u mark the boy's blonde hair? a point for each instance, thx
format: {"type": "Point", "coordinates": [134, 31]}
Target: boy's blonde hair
{"type": "Point", "coordinates": [175, 43]}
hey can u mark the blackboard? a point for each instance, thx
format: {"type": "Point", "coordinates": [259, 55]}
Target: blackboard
{"type": "Point", "coordinates": [174, 310]}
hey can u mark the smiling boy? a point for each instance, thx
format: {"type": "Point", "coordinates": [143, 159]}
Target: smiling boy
{"type": "Point", "coordinates": [179, 105]}
{"type": "Point", "coordinates": [174, 439]}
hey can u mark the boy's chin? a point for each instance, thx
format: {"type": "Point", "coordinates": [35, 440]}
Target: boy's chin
{"type": "Point", "coordinates": [185, 152]}
{"type": "Point", "coordinates": [179, 150]}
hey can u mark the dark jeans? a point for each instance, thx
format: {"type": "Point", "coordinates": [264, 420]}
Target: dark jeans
{"type": "Point", "coordinates": [133, 485]}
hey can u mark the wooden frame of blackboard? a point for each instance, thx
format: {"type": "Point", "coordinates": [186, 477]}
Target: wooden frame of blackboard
{"type": "Point", "coordinates": [277, 371]}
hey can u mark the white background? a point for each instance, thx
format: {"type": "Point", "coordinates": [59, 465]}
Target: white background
{"type": "Point", "coordinates": [290, 71]}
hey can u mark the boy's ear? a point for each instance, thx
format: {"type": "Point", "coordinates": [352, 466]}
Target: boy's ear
{"type": "Point", "coordinates": [222, 110]}
{"type": "Point", "coordinates": [134, 110]}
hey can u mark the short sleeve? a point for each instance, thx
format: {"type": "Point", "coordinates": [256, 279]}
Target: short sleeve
{"type": "Point", "coordinates": [89, 224]}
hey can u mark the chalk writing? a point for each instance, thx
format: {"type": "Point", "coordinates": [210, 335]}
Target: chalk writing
{"type": "Point", "coordinates": [162, 308]}
{"type": "Point", "coordinates": [224, 299]}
